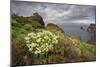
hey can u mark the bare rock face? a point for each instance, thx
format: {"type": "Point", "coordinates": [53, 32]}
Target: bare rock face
{"type": "Point", "coordinates": [92, 40]}
{"type": "Point", "coordinates": [36, 18]}
{"type": "Point", "coordinates": [91, 28]}
{"type": "Point", "coordinates": [55, 27]}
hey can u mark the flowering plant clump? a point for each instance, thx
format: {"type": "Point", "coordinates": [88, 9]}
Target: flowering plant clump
{"type": "Point", "coordinates": [41, 42]}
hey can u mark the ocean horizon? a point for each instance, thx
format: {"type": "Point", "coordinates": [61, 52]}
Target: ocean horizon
{"type": "Point", "coordinates": [74, 30]}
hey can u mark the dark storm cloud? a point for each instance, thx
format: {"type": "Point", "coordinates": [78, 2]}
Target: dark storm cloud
{"type": "Point", "coordinates": [57, 13]}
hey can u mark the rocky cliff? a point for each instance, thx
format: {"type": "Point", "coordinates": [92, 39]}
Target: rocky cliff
{"type": "Point", "coordinates": [54, 27]}
{"type": "Point", "coordinates": [91, 28]}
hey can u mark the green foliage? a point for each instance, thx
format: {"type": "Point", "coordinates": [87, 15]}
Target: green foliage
{"type": "Point", "coordinates": [41, 42]}
{"type": "Point", "coordinates": [51, 59]}
{"type": "Point", "coordinates": [88, 52]}
{"type": "Point", "coordinates": [91, 48]}
{"type": "Point", "coordinates": [18, 51]}
{"type": "Point", "coordinates": [27, 32]}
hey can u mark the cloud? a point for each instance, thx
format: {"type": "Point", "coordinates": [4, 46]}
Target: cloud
{"type": "Point", "coordinates": [56, 13]}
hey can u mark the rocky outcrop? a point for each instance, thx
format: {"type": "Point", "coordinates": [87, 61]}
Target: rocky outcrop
{"type": "Point", "coordinates": [36, 18]}
{"type": "Point", "coordinates": [92, 40]}
{"type": "Point", "coordinates": [54, 27]}
{"type": "Point", "coordinates": [91, 28]}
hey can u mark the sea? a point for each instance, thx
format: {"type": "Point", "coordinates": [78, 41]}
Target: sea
{"type": "Point", "coordinates": [74, 29]}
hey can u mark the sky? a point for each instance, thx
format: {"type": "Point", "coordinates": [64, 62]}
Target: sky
{"type": "Point", "coordinates": [56, 13]}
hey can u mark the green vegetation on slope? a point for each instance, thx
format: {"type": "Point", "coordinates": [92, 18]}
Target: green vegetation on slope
{"type": "Point", "coordinates": [32, 43]}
